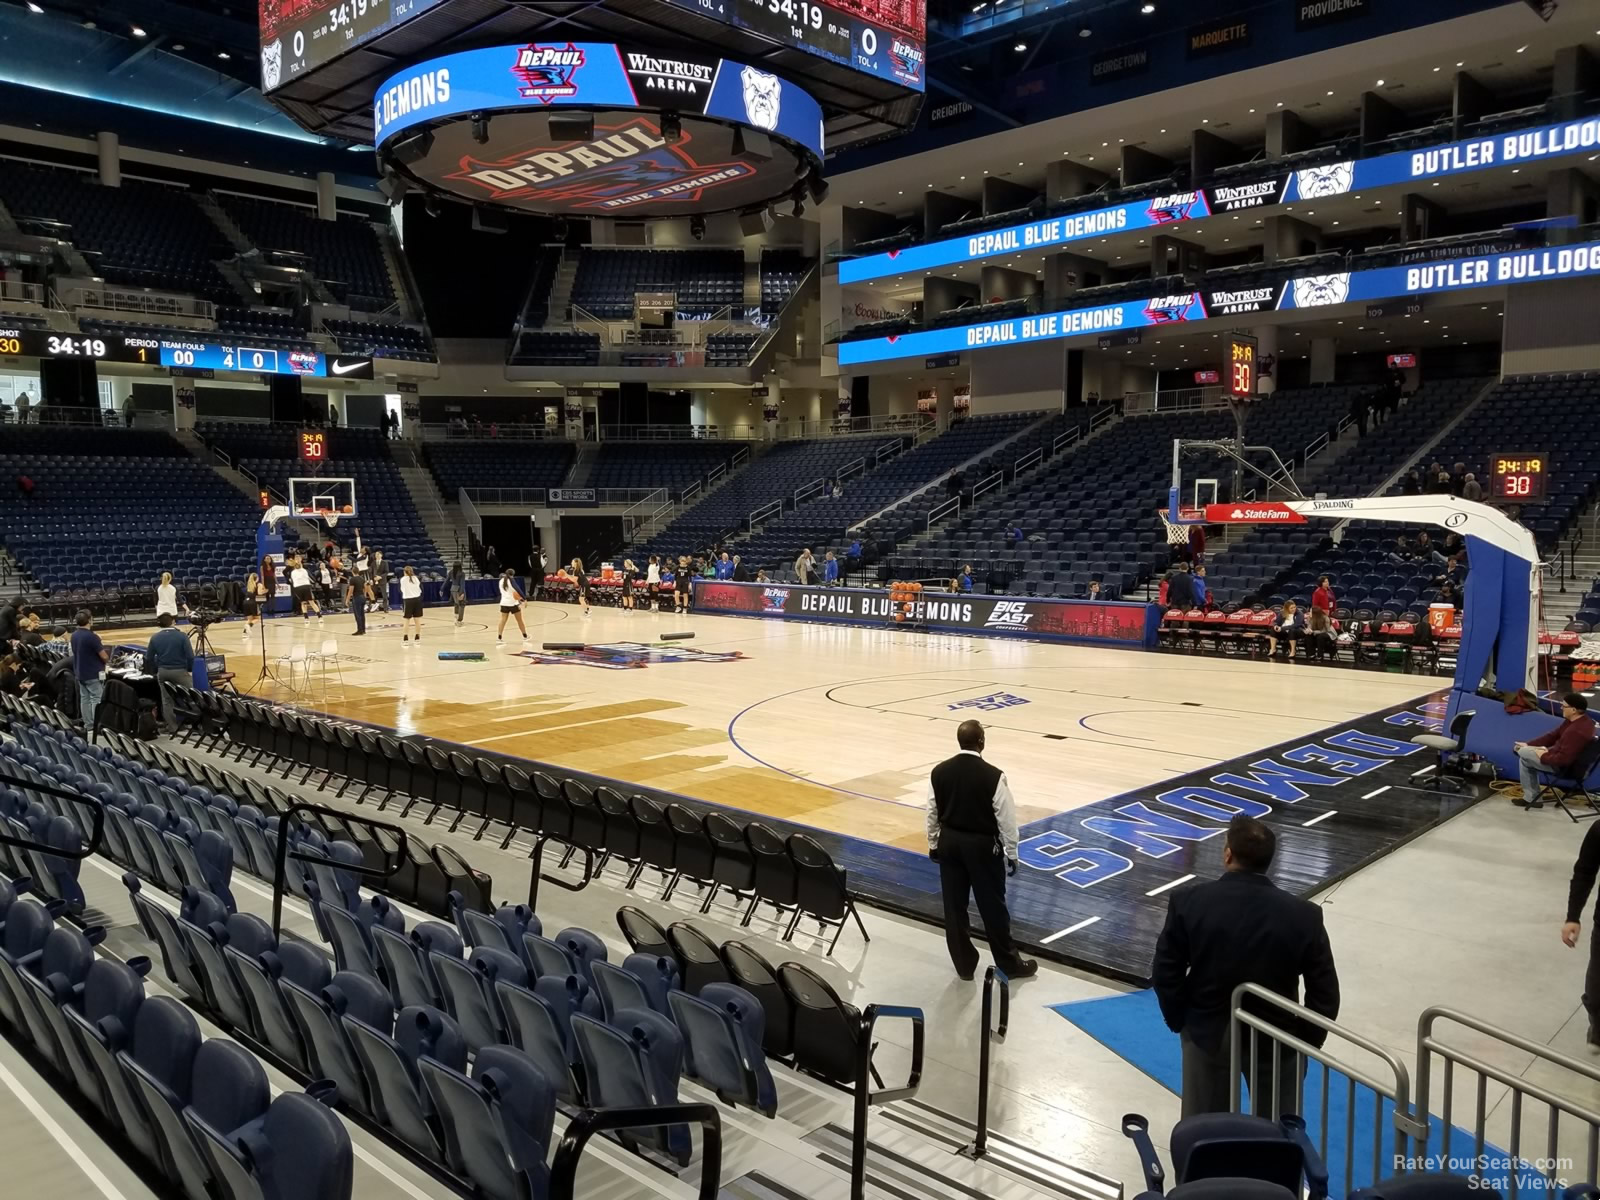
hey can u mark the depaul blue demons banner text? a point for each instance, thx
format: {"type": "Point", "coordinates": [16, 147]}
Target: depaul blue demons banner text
{"type": "Point", "coordinates": [591, 75]}
{"type": "Point", "coordinates": [1271, 188]}
{"type": "Point", "coordinates": [1309, 291]}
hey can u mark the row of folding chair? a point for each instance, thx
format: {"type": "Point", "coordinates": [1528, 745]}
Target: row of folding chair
{"type": "Point", "coordinates": [636, 834]}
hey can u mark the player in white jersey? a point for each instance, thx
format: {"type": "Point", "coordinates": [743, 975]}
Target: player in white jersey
{"type": "Point", "coordinates": [300, 589]}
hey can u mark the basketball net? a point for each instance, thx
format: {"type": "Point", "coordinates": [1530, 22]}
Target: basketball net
{"type": "Point", "coordinates": [1178, 531]}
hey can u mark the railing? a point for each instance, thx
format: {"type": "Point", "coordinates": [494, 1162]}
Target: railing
{"type": "Point", "coordinates": [856, 466]}
{"type": "Point", "coordinates": [690, 492]}
{"type": "Point", "coordinates": [1392, 1086]}
{"type": "Point", "coordinates": [469, 514]}
{"type": "Point", "coordinates": [439, 431]}
{"type": "Point", "coordinates": [988, 485]}
{"type": "Point", "coordinates": [281, 855]}
{"type": "Point", "coordinates": [740, 457]}
{"type": "Point", "coordinates": [17, 292]}
{"type": "Point", "coordinates": [865, 1097]}
{"type": "Point", "coordinates": [764, 513]}
{"type": "Point", "coordinates": [583, 1127]}
{"type": "Point", "coordinates": [1513, 1166]}
{"type": "Point", "coordinates": [807, 490]}
{"type": "Point", "coordinates": [136, 300]}
{"type": "Point", "coordinates": [536, 873]}
{"type": "Point", "coordinates": [885, 453]}
{"type": "Point", "coordinates": [1028, 461]}
{"type": "Point", "coordinates": [516, 497]}
{"type": "Point", "coordinates": [1177, 400]}
{"type": "Point", "coordinates": [679, 433]}
{"type": "Point", "coordinates": [633, 520]}
{"type": "Point", "coordinates": [716, 473]}
{"type": "Point", "coordinates": [940, 511]}
{"type": "Point", "coordinates": [991, 1034]}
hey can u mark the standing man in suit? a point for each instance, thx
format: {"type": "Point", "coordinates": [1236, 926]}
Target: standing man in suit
{"type": "Point", "coordinates": [1241, 928]}
{"type": "Point", "coordinates": [972, 835]}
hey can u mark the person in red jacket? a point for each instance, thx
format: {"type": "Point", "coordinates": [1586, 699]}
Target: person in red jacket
{"type": "Point", "coordinates": [1322, 599]}
{"type": "Point", "coordinates": [1565, 742]}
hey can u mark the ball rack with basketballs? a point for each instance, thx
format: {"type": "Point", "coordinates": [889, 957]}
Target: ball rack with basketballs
{"type": "Point", "coordinates": [904, 601]}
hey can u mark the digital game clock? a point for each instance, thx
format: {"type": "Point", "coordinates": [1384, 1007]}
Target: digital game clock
{"type": "Point", "coordinates": [1518, 478]}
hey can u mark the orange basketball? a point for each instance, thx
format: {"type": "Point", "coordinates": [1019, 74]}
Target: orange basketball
{"type": "Point", "coordinates": [348, 508]}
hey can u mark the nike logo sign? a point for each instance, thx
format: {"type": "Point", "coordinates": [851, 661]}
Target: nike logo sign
{"type": "Point", "coordinates": [345, 368]}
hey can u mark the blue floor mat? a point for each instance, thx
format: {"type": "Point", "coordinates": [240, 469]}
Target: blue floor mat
{"type": "Point", "coordinates": [1131, 1026]}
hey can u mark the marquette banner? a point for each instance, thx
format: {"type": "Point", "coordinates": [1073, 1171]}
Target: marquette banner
{"type": "Point", "coordinates": [1310, 183]}
{"type": "Point", "coordinates": [1308, 291]}
{"type": "Point", "coordinates": [1047, 620]}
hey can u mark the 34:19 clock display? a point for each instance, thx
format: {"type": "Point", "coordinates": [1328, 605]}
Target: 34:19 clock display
{"type": "Point", "coordinates": [1518, 478]}
{"type": "Point", "coordinates": [1241, 365]}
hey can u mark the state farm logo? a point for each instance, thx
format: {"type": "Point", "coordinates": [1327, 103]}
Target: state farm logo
{"type": "Point", "coordinates": [1262, 514]}
{"type": "Point", "coordinates": [1009, 614]}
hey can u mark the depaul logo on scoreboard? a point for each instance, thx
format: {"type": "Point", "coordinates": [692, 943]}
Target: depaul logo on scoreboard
{"type": "Point", "coordinates": [546, 72]}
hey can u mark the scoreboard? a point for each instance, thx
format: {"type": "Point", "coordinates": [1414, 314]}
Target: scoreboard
{"type": "Point", "coordinates": [885, 38]}
{"type": "Point", "coordinates": [1519, 478]}
{"type": "Point", "coordinates": [165, 351]}
{"type": "Point", "coordinates": [1241, 366]}
{"type": "Point", "coordinates": [298, 36]}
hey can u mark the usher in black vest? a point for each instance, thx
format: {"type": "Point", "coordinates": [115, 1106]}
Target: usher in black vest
{"type": "Point", "coordinates": [963, 793]}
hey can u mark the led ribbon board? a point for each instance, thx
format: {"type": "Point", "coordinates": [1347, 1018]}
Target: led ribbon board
{"type": "Point", "coordinates": [746, 137]}
{"type": "Point", "coordinates": [1308, 291]}
{"type": "Point", "coordinates": [1310, 183]}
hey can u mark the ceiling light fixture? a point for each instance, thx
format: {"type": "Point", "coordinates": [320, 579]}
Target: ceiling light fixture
{"type": "Point", "coordinates": [1147, 8]}
{"type": "Point", "coordinates": [34, 8]}
{"type": "Point", "coordinates": [223, 54]}
{"type": "Point", "coordinates": [137, 32]}
{"type": "Point", "coordinates": [1020, 47]}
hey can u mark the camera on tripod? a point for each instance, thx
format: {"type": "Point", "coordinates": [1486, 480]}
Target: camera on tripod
{"type": "Point", "coordinates": [200, 618]}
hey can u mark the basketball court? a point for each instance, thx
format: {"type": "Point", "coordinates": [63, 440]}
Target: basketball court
{"type": "Point", "coordinates": [835, 730]}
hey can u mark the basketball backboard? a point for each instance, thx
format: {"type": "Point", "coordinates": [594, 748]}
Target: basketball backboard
{"type": "Point", "coordinates": [326, 497]}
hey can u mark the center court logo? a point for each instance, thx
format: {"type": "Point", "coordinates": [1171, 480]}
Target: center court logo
{"type": "Point", "coordinates": [763, 95]}
{"type": "Point", "coordinates": [1009, 614]}
{"type": "Point", "coordinates": [546, 72]}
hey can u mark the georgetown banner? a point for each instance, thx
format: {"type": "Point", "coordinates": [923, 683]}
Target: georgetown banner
{"type": "Point", "coordinates": [949, 612]}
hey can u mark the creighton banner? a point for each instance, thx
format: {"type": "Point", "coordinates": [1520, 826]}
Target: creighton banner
{"type": "Point", "coordinates": [1046, 620]}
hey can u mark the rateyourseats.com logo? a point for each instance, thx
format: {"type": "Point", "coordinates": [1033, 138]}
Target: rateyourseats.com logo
{"type": "Point", "coordinates": [1009, 614]}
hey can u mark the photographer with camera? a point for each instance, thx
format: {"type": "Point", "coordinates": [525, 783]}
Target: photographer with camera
{"type": "Point", "coordinates": [169, 658]}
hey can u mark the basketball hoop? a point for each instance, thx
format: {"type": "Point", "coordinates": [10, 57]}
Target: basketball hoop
{"type": "Point", "coordinates": [1178, 531]}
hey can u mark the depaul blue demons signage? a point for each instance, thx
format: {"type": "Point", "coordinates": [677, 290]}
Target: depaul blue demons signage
{"type": "Point", "coordinates": [745, 135]}
{"type": "Point", "coordinates": [1310, 183]}
{"type": "Point", "coordinates": [1310, 291]}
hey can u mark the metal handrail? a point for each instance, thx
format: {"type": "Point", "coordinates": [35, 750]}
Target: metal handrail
{"type": "Point", "coordinates": [865, 1097]}
{"type": "Point", "coordinates": [988, 484]}
{"type": "Point", "coordinates": [282, 854]}
{"type": "Point", "coordinates": [537, 872]}
{"type": "Point", "coordinates": [806, 490]}
{"type": "Point", "coordinates": [990, 1035]}
{"type": "Point", "coordinates": [716, 473]}
{"type": "Point", "coordinates": [469, 513]}
{"type": "Point", "coordinates": [1031, 459]}
{"type": "Point", "coordinates": [740, 457]}
{"type": "Point", "coordinates": [1063, 440]}
{"type": "Point", "coordinates": [763, 513]}
{"type": "Point", "coordinates": [584, 1126]}
{"type": "Point", "coordinates": [96, 811]}
{"type": "Point", "coordinates": [1397, 1089]}
{"type": "Point", "coordinates": [940, 511]}
{"type": "Point", "coordinates": [1428, 1045]}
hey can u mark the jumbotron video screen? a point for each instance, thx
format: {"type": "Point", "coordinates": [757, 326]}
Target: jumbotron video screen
{"type": "Point", "coordinates": [882, 38]}
{"type": "Point", "coordinates": [298, 36]}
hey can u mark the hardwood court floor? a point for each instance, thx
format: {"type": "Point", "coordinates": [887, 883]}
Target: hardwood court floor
{"type": "Point", "coordinates": [823, 725]}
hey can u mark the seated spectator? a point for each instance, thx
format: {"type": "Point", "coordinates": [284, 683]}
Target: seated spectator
{"type": "Point", "coordinates": [1471, 489]}
{"type": "Point", "coordinates": [1320, 639]}
{"type": "Point", "coordinates": [761, 577]}
{"type": "Point", "coordinates": [1424, 551]}
{"type": "Point", "coordinates": [1094, 592]}
{"type": "Point", "coordinates": [1322, 600]}
{"type": "Point", "coordinates": [1013, 535]}
{"type": "Point", "coordinates": [1554, 750]}
{"type": "Point", "coordinates": [1289, 626]}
